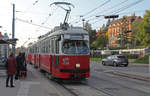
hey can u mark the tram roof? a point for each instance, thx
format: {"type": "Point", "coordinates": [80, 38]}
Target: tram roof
{"type": "Point", "coordinates": [70, 30]}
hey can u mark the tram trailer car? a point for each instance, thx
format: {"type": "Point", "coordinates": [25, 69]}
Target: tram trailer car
{"type": "Point", "coordinates": [30, 54]}
{"type": "Point", "coordinates": [64, 53]}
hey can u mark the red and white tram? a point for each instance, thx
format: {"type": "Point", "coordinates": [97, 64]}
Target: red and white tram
{"type": "Point", "coordinates": [63, 53]}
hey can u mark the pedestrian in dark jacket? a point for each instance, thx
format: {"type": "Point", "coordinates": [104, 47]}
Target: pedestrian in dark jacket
{"type": "Point", "coordinates": [19, 64]}
{"type": "Point", "coordinates": [11, 69]}
{"type": "Point", "coordinates": [24, 66]}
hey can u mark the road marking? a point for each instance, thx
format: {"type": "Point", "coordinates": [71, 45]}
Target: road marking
{"type": "Point", "coordinates": [24, 88]}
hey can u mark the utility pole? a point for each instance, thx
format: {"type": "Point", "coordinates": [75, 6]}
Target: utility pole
{"type": "Point", "coordinates": [13, 30]}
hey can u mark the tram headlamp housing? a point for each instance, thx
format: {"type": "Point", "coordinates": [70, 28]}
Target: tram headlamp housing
{"type": "Point", "coordinates": [78, 65]}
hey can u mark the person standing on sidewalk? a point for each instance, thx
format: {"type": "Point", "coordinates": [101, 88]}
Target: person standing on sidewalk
{"type": "Point", "coordinates": [11, 69]}
{"type": "Point", "coordinates": [19, 64]}
{"type": "Point", "coordinates": [24, 66]}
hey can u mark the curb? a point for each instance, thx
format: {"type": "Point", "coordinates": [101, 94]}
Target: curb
{"type": "Point", "coordinates": [132, 64]}
{"type": "Point", "coordinates": [133, 76]}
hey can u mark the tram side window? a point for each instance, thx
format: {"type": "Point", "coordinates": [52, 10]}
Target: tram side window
{"type": "Point", "coordinates": [46, 46]}
{"type": "Point", "coordinates": [52, 46]}
{"type": "Point", "coordinates": [57, 46]}
{"type": "Point", "coordinates": [42, 47]}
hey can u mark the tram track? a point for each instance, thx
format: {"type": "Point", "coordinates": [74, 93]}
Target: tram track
{"type": "Point", "coordinates": [100, 89]}
{"type": "Point", "coordinates": [124, 74]}
{"type": "Point", "coordinates": [76, 88]}
{"type": "Point", "coordinates": [122, 86]}
{"type": "Point", "coordinates": [137, 77]}
{"type": "Point", "coordinates": [68, 89]}
{"type": "Point", "coordinates": [91, 91]}
{"type": "Point", "coordinates": [59, 85]}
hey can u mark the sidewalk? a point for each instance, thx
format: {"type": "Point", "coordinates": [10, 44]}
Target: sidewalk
{"type": "Point", "coordinates": [34, 85]}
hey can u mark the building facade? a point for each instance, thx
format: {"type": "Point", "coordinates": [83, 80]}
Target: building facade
{"type": "Point", "coordinates": [114, 29]}
{"type": "Point", "coordinates": [4, 45]}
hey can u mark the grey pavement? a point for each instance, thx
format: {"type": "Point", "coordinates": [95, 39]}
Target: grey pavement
{"type": "Point", "coordinates": [138, 71]}
{"type": "Point", "coordinates": [143, 74]}
{"type": "Point", "coordinates": [34, 84]}
{"type": "Point", "coordinates": [37, 85]}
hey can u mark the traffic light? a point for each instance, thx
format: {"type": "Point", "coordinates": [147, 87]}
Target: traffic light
{"type": "Point", "coordinates": [111, 16]}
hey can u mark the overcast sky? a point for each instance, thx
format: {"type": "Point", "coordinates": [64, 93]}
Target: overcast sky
{"type": "Point", "coordinates": [39, 12]}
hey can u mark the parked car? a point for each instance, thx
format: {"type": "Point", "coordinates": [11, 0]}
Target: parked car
{"type": "Point", "coordinates": [115, 60]}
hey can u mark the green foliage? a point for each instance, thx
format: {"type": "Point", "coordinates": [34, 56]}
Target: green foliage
{"type": "Point", "coordinates": [144, 30]}
{"type": "Point", "coordinates": [96, 59]}
{"type": "Point", "coordinates": [134, 28]}
{"type": "Point", "coordinates": [124, 34]}
{"type": "Point", "coordinates": [92, 33]}
{"type": "Point", "coordinates": [102, 40]}
{"type": "Point", "coordinates": [143, 60]}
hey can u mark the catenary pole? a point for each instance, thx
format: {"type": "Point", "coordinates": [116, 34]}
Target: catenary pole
{"type": "Point", "coordinates": [13, 30]}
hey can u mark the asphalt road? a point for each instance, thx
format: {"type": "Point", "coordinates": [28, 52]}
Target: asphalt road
{"type": "Point", "coordinates": [101, 83]}
{"type": "Point", "coordinates": [115, 85]}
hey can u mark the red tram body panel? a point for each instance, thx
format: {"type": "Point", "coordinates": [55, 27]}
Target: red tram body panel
{"type": "Point", "coordinates": [62, 53]}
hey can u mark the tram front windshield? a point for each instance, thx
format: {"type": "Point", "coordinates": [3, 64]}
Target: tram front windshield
{"type": "Point", "coordinates": [75, 47]}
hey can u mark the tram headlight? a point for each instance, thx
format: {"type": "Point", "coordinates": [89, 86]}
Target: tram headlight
{"type": "Point", "coordinates": [77, 65]}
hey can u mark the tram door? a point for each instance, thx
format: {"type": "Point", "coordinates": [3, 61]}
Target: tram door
{"type": "Point", "coordinates": [54, 56]}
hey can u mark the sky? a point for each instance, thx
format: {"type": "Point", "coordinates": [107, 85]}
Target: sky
{"type": "Point", "coordinates": [36, 17]}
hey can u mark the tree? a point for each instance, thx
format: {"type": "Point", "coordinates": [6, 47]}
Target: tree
{"type": "Point", "coordinates": [100, 42]}
{"type": "Point", "coordinates": [134, 27]}
{"type": "Point", "coordinates": [30, 44]}
{"type": "Point", "coordinates": [144, 30]}
{"type": "Point", "coordinates": [92, 33]}
{"type": "Point", "coordinates": [124, 32]}
{"type": "Point", "coordinates": [102, 39]}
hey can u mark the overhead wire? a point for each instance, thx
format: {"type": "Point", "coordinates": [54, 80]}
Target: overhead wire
{"type": "Point", "coordinates": [101, 5]}
{"type": "Point", "coordinates": [128, 6]}
{"type": "Point", "coordinates": [25, 21]}
{"type": "Point", "coordinates": [36, 2]}
{"type": "Point", "coordinates": [33, 4]}
{"type": "Point", "coordinates": [96, 8]}
{"type": "Point", "coordinates": [110, 8]}
{"type": "Point", "coordinates": [122, 8]}
{"type": "Point", "coordinates": [47, 18]}
{"type": "Point", "coordinates": [116, 11]}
